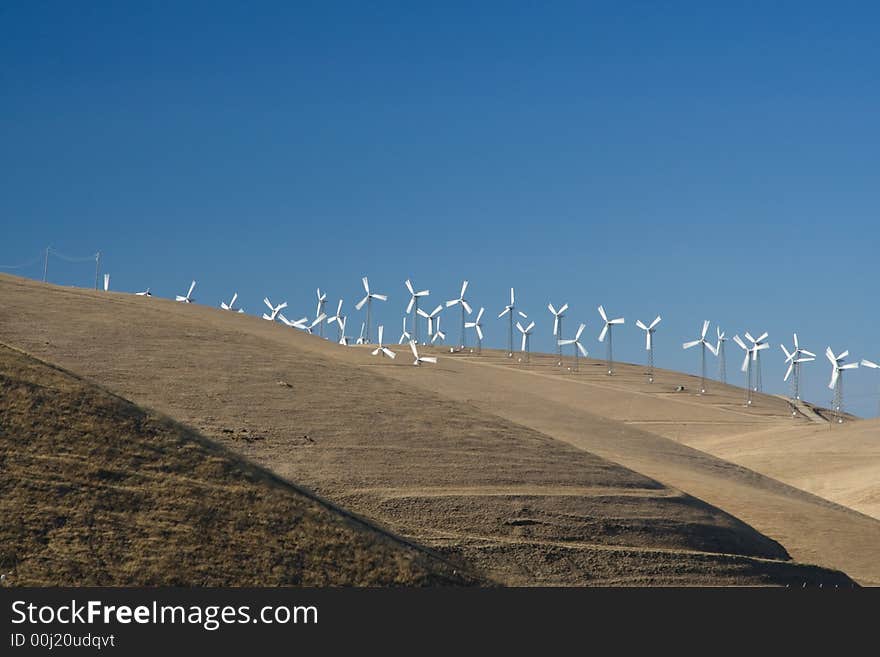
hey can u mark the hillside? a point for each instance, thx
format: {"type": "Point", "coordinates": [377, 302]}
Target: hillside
{"type": "Point", "coordinates": [837, 462]}
{"type": "Point", "coordinates": [521, 472]}
{"type": "Point", "coordinates": [98, 492]}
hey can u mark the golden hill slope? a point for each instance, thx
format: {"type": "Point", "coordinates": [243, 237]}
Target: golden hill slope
{"type": "Point", "coordinates": [463, 457]}
{"type": "Point", "coordinates": [96, 491]}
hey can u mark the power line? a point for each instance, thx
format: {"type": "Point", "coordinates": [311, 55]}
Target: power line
{"type": "Point", "coordinates": [30, 263]}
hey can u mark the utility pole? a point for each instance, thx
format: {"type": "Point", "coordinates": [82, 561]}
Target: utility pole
{"type": "Point", "coordinates": [97, 267]}
{"type": "Point", "coordinates": [46, 265]}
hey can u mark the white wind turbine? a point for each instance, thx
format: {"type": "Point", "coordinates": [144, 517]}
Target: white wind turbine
{"type": "Point", "coordinates": [322, 300]}
{"type": "Point", "coordinates": [106, 282]}
{"type": "Point", "coordinates": [231, 304]}
{"type": "Point", "coordinates": [338, 319]}
{"type": "Point", "coordinates": [478, 327]}
{"type": "Point", "coordinates": [649, 343]}
{"type": "Point", "coordinates": [794, 358]}
{"type": "Point", "coordinates": [557, 327]}
{"type": "Point", "coordinates": [746, 367]}
{"type": "Point", "coordinates": [145, 293]}
{"type": "Point", "coordinates": [722, 357]}
{"type": "Point", "coordinates": [343, 339]}
{"type": "Point", "coordinates": [413, 306]}
{"type": "Point", "coordinates": [361, 339]}
{"type": "Point", "coordinates": [438, 333]}
{"type": "Point", "coordinates": [870, 364]}
{"type": "Point", "coordinates": [188, 298]}
{"type": "Point", "coordinates": [275, 310]}
{"type": "Point", "coordinates": [758, 345]}
{"type": "Point", "coordinates": [405, 336]}
{"type": "Point", "coordinates": [368, 299]}
{"type": "Point", "coordinates": [420, 359]}
{"type": "Point", "coordinates": [526, 339]}
{"type": "Point", "coordinates": [578, 347]}
{"type": "Point", "coordinates": [836, 383]}
{"type": "Point", "coordinates": [318, 321]}
{"type": "Point", "coordinates": [703, 346]}
{"type": "Point", "coordinates": [381, 348]}
{"type": "Point", "coordinates": [508, 310]}
{"type": "Point", "coordinates": [431, 317]}
{"type": "Point", "coordinates": [607, 331]}
{"type": "Point", "coordinates": [464, 307]}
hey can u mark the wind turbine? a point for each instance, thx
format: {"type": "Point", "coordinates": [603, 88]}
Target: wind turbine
{"type": "Point", "coordinates": [526, 338]}
{"type": "Point", "coordinates": [438, 333]}
{"type": "Point", "coordinates": [343, 339]}
{"type": "Point", "coordinates": [722, 357]}
{"type": "Point", "coordinates": [478, 327]}
{"type": "Point", "coordinates": [836, 383]}
{"type": "Point", "coordinates": [433, 315]}
{"type": "Point", "coordinates": [649, 343]}
{"type": "Point", "coordinates": [368, 299]}
{"type": "Point", "coordinates": [871, 364]}
{"type": "Point", "coordinates": [606, 330]}
{"type": "Point", "coordinates": [274, 309]}
{"type": "Point", "coordinates": [322, 299]}
{"type": "Point", "coordinates": [231, 304]}
{"type": "Point", "coordinates": [746, 367]}
{"type": "Point", "coordinates": [405, 336]}
{"type": "Point", "coordinates": [508, 310]}
{"type": "Point", "coordinates": [338, 319]}
{"type": "Point", "coordinates": [557, 327]}
{"type": "Point", "coordinates": [413, 306]}
{"type": "Point", "coordinates": [577, 345]}
{"type": "Point", "coordinates": [381, 348]}
{"type": "Point", "coordinates": [318, 321]}
{"type": "Point", "coordinates": [145, 293]}
{"type": "Point", "coordinates": [797, 356]}
{"type": "Point", "coordinates": [464, 307]}
{"type": "Point", "coordinates": [420, 359]}
{"type": "Point", "coordinates": [188, 298]}
{"type": "Point", "coordinates": [703, 346]}
{"type": "Point", "coordinates": [758, 346]}
{"type": "Point", "coordinates": [106, 282]}
{"type": "Point", "coordinates": [361, 339]}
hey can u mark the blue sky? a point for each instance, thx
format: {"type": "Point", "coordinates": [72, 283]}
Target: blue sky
{"type": "Point", "coordinates": [676, 158]}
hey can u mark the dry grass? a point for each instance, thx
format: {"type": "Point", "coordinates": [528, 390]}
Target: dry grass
{"type": "Point", "coordinates": [96, 491]}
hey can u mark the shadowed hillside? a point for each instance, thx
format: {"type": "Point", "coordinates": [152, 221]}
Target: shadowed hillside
{"type": "Point", "coordinates": [96, 491]}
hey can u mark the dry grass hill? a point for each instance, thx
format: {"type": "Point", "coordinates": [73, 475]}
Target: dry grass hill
{"type": "Point", "coordinates": [96, 491]}
{"type": "Point", "coordinates": [527, 474]}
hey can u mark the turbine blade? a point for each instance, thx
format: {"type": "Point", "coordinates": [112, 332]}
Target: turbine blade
{"type": "Point", "coordinates": [360, 304]}
{"type": "Point", "coordinates": [563, 309]}
{"type": "Point", "coordinates": [479, 331]}
{"type": "Point", "coordinates": [688, 345]}
{"type": "Point", "coordinates": [640, 325]}
{"type": "Point", "coordinates": [366, 284]}
{"type": "Point", "coordinates": [581, 349]}
{"type": "Point", "coordinates": [655, 322]}
{"type": "Point", "coordinates": [463, 288]}
{"type": "Point", "coordinates": [577, 336]}
{"type": "Point", "coordinates": [705, 328]}
{"type": "Point", "coordinates": [409, 307]}
{"type": "Point", "coordinates": [788, 371]}
{"type": "Point", "coordinates": [389, 353]}
{"type": "Point", "coordinates": [409, 286]}
{"type": "Point", "coordinates": [504, 312]}
{"type": "Point", "coordinates": [381, 297]}
{"type": "Point", "coordinates": [602, 334]}
{"type": "Point", "coordinates": [466, 306]}
{"type": "Point", "coordinates": [602, 313]}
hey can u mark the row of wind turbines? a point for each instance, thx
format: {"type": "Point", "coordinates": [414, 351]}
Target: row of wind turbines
{"type": "Point", "coordinates": [751, 346]}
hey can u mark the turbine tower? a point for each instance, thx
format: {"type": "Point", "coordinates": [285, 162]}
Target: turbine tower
{"type": "Point", "coordinates": [836, 383]}
{"type": "Point", "coordinates": [746, 367]}
{"type": "Point", "coordinates": [703, 346]}
{"type": "Point", "coordinates": [578, 347]}
{"type": "Point", "coordinates": [478, 327]}
{"type": "Point", "coordinates": [413, 306]}
{"type": "Point", "coordinates": [322, 299]}
{"type": "Point", "coordinates": [557, 327]}
{"type": "Point", "coordinates": [526, 339]}
{"type": "Point", "coordinates": [758, 345]}
{"type": "Point", "coordinates": [508, 310]}
{"type": "Point", "coordinates": [606, 331]}
{"type": "Point", "coordinates": [797, 356]}
{"type": "Point", "coordinates": [649, 343]}
{"type": "Point", "coordinates": [464, 307]}
{"type": "Point", "coordinates": [368, 299]}
{"type": "Point", "coordinates": [722, 356]}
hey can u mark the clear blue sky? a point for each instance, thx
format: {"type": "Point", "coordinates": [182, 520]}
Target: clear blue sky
{"type": "Point", "coordinates": [677, 157]}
